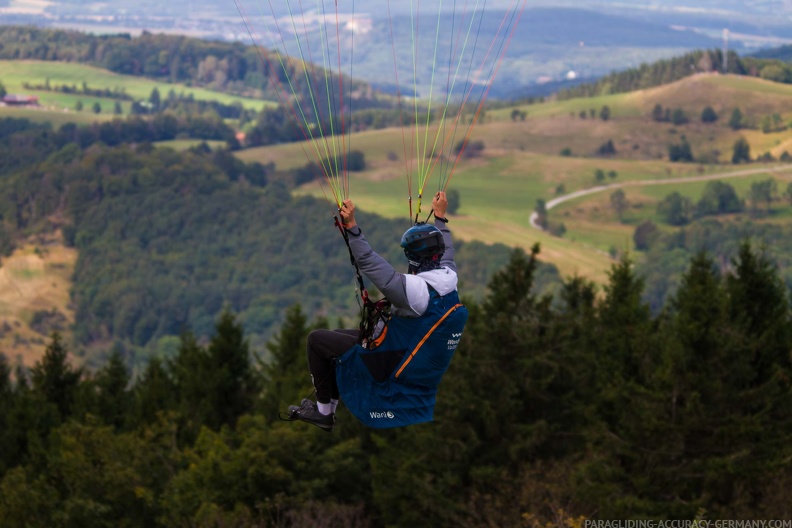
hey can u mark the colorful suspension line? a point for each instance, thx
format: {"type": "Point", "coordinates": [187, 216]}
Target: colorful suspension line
{"type": "Point", "coordinates": [434, 129]}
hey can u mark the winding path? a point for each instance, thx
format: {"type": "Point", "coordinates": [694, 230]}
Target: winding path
{"type": "Point", "coordinates": [638, 183]}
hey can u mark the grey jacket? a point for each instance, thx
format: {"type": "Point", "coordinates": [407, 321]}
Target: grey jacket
{"type": "Point", "coordinates": [408, 294]}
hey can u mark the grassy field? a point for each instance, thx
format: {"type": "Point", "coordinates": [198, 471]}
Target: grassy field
{"type": "Point", "coordinates": [14, 74]}
{"type": "Point", "coordinates": [56, 117]}
{"type": "Point", "coordinates": [521, 163]}
{"type": "Point", "coordinates": [35, 278]}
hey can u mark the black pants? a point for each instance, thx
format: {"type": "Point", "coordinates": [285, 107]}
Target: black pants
{"type": "Point", "coordinates": [323, 347]}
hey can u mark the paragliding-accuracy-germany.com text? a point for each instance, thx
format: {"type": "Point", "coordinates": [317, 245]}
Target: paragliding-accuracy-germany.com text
{"type": "Point", "coordinates": [688, 523]}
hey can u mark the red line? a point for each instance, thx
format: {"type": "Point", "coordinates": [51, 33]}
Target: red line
{"type": "Point", "coordinates": [486, 93]}
{"type": "Point", "coordinates": [481, 104]}
{"type": "Point", "coordinates": [319, 117]}
{"type": "Point", "coordinates": [275, 81]}
{"type": "Point", "coordinates": [345, 174]}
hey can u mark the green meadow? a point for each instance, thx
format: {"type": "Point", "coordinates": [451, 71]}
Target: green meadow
{"type": "Point", "coordinates": [521, 163]}
{"type": "Point", "coordinates": [55, 117]}
{"type": "Point", "coordinates": [13, 74]}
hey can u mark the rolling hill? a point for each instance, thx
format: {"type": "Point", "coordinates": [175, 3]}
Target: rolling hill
{"type": "Point", "coordinates": [522, 163]}
{"type": "Point", "coordinates": [552, 152]}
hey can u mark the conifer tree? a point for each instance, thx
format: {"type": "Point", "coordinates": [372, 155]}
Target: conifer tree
{"type": "Point", "coordinates": [234, 386]}
{"type": "Point", "coordinates": [689, 380]}
{"type": "Point", "coordinates": [286, 375]}
{"type": "Point", "coordinates": [191, 377]}
{"type": "Point", "coordinates": [154, 392]}
{"type": "Point", "coordinates": [759, 309]}
{"type": "Point", "coordinates": [114, 397]}
{"type": "Point", "coordinates": [54, 379]}
{"type": "Point", "coordinates": [624, 322]}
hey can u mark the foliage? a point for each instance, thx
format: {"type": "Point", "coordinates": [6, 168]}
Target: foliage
{"type": "Point", "coordinates": [454, 200]}
{"type": "Point", "coordinates": [675, 209]}
{"type": "Point", "coordinates": [619, 203]}
{"type": "Point", "coordinates": [607, 148]}
{"type": "Point", "coordinates": [680, 152]}
{"type": "Point", "coordinates": [736, 121]}
{"type": "Point", "coordinates": [718, 198]}
{"type": "Point", "coordinates": [678, 117]}
{"type": "Point", "coordinates": [762, 192]}
{"type": "Point", "coordinates": [601, 411]}
{"type": "Point", "coordinates": [599, 175]}
{"type": "Point", "coordinates": [645, 235]}
{"type": "Point", "coordinates": [708, 115]}
{"type": "Point", "coordinates": [741, 151]}
{"type": "Point", "coordinates": [469, 149]}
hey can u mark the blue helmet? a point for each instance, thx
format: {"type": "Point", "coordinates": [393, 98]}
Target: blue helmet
{"type": "Point", "coordinates": [422, 242]}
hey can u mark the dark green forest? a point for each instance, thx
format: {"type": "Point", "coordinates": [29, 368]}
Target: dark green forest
{"type": "Point", "coordinates": [553, 411]}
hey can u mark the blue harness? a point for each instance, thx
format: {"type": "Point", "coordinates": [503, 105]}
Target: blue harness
{"type": "Point", "coordinates": [394, 382]}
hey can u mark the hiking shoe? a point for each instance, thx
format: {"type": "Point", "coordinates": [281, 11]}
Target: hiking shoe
{"type": "Point", "coordinates": [308, 412]}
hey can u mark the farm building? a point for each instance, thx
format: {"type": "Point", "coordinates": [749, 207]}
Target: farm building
{"type": "Point", "coordinates": [21, 100]}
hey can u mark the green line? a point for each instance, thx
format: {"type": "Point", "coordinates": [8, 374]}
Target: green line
{"type": "Point", "coordinates": [332, 176]}
{"type": "Point", "coordinates": [325, 61]}
{"type": "Point", "coordinates": [456, 76]}
{"type": "Point", "coordinates": [294, 93]}
{"type": "Point", "coordinates": [423, 176]}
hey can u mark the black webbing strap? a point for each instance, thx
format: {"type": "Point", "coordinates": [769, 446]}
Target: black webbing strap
{"type": "Point", "coordinates": [363, 291]}
{"type": "Point", "coordinates": [371, 312]}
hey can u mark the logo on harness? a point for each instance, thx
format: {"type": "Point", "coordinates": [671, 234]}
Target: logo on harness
{"type": "Point", "coordinates": [389, 415]}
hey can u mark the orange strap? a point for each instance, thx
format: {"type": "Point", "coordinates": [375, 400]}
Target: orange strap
{"type": "Point", "coordinates": [438, 323]}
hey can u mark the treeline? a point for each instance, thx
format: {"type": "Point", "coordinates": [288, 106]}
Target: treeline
{"type": "Point", "coordinates": [782, 53]}
{"type": "Point", "coordinates": [554, 410]}
{"type": "Point", "coordinates": [186, 105]}
{"type": "Point", "coordinates": [167, 239]}
{"type": "Point", "coordinates": [108, 93]}
{"type": "Point", "coordinates": [670, 70]}
{"type": "Point", "coordinates": [26, 143]}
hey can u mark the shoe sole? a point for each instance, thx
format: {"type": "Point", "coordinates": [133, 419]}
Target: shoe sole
{"type": "Point", "coordinates": [322, 427]}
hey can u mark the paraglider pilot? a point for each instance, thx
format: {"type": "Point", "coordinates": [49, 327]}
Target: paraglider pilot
{"type": "Point", "coordinates": [390, 378]}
